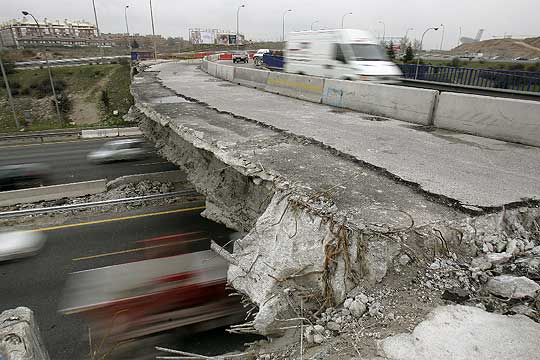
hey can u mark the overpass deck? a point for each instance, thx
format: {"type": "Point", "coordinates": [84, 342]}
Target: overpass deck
{"type": "Point", "coordinates": [468, 170]}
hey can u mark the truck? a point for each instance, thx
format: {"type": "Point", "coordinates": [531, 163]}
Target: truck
{"type": "Point", "coordinates": [345, 54]}
{"type": "Point", "coordinates": [134, 301]}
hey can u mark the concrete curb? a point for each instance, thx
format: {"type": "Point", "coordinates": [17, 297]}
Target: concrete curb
{"type": "Point", "coordinates": [173, 176]}
{"type": "Point", "coordinates": [54, 192]}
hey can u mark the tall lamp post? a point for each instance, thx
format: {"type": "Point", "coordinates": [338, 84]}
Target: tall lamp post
{"type": "Point", "coordinates": [313, 23]}
{"type": "Point", "coordinates": [421, 43]}
{"type": "Point", "coordinates": [25, 13]}
{"type": "Point", "coordinates": [343, 19]}
{"type": "Point", "coordinates": [407, 33]}
{"type": "Point", "coordinates": [442, 37]}
{"type": "Point", "coordinates": [384, 30]}
{"type": "Point", "coordinates": [97, 30]}
{"type": "Point", "coordinates": [127, 27]}
{"type": "Point", "coordinates": [238, 25]}
{"type": "Point", "coordinates": [283, 33]}
{"type": "Point", "coordinates": [153, 30]}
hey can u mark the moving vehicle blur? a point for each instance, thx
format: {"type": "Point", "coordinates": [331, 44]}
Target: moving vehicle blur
{"type": "Point", "coordinates": [18, 245]}
{"type": "Point", "coordinates": [240, 56]}
{"type": "Point", "coordinates": [13, 177]}
{"type": "Point", "coordinates": [344, 54]}
{"type": "Point", "coordinates": [119, 150]}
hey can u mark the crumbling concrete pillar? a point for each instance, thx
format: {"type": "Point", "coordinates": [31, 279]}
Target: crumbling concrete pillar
{"type": "Point", "coordinates": [19, 336]}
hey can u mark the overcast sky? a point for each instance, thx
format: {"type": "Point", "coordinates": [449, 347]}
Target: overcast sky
{"type": "Point", "coordinates": [262, 19]}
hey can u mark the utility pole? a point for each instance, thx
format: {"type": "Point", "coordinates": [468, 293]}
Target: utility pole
{"type": "Point", "coordinates": [384, 30]}
{"type": "Point", "coordinates": [25, 13]}
{"type": "Point", "coordinates": [313, 23]}
{"type": "Point", "coordinates": [153, 30]}
{"type": "Point", "coordinates": [8, 89]}
{"type": "Point", "coordinates": [98, 33]}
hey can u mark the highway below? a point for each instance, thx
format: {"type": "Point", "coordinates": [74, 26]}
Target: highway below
{"type": "Point", "coordinates": [38, 282]}
{"type": "Point", "coordinates": [68, 163]}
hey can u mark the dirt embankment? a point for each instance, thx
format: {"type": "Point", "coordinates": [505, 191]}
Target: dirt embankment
{"type": "Point", "coordinates": [529, 47]}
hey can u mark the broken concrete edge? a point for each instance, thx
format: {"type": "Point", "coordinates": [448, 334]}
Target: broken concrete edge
{"type": "Point", "coordinates": [173, 176]}
{"type": "Point", "coordinates": [20, 336]}
{"type": "Point", "coordinates": [465, 332]}
{"type": "Point", "coordinates": [319, 249]}
{"type": "Point", "coordinates": [463, 207]}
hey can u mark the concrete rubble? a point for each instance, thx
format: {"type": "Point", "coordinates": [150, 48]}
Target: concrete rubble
{"type": "Point", "coordinates": [19, 336]}
{"type": "Point", "coordinates": [355, 252]}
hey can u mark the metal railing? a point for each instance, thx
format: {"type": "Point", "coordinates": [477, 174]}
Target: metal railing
{"type": "Point", "coordinates": [486, 78]}
{"type": "Point", "coordinates": [45, 210]}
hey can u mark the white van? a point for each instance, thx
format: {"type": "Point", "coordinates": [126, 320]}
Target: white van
{"type": "Point", "coordinates": [344, 54]}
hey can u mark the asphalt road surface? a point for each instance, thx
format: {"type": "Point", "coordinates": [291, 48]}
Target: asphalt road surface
{"type": "Point", "coordinates": [68, 163]}
{"type": "Point", "coordinates": [38, 282]}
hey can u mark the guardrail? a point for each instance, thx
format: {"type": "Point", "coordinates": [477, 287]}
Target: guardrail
{"type": "Point", "coordinates": [15, 213]}
{"type": "Point", "coordinates": [484, 78]}
{"type": "Point", "coordinates": [82, 133]}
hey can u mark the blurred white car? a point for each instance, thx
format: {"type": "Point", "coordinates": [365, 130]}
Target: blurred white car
{"type": "Point", "coordinates": [128, 149]}
{"type": "Point", "coordinates": [17, 245]}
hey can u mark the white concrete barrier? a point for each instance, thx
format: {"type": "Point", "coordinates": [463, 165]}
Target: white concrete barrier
{"type": "Point", "coordinates": [297, 86]}
{"type": "Point", "coordinates": [504, 119]}
{"type": "Point", "coordinates": [251, 77]}
{"type": "Point", "coordinates": [396, 102]}
{"type": "Point", "coordinates": [131, 131]}
{"type": "Point", "coordinates": [54, 192]}
{"type": "Point", "coordinates": [204, 65]}
{"type": "Point", "coordinates": [225, 72]}
{"type": "Point", "coordinates": [212, 68]}
{"type": "Point", "coordinates": [113, 132]}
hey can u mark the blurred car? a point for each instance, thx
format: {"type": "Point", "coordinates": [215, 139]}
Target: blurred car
{"type": "Point", "coordinates": [258, 56]}
{"type": "Point", "coordinates": [535, 59]}
{"type": "Point", "coordinates": [119, 150]}
{"type": "Point", "coordinates": [13, 177]}
{"type": "Point", "coordinates": [240, 56]}
{"type": "Point", "coordinates": [17, 245]}
{"type": "Point", "coordinates": [520, 58]}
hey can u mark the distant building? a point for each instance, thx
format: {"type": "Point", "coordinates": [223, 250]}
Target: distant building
{"type": "Point", "coordinates": [67, 33]}
{"type": "Point", "coordinates": [468, 40]}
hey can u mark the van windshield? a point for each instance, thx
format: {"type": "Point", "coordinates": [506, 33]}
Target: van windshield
{"type": "Point", "coordinates": [368, 52]}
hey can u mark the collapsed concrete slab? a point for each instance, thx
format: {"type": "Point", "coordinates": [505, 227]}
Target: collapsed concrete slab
{"type": "Point", "coordinates": [317, 223]}
{"type": "Point", "coordinates": [464, 332]}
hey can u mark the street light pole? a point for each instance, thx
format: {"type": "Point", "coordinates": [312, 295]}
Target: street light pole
{"type": "Point", "coordinates": [442, 37]}
{"type": "Point", "coordinates": [283, 33]}
{"type": "Point", "coordinates": [25, 13]}
{"type": "Point", "coordinates": [8, 89]}
{"type": "Point", "coordinates": [313, 23]}
{"type": "Point", "coordinates": [238, 25]}
{"type": "Point", "coordinates": [343, 18]}
{"type": "Point", "coordinates": [421, 42]}
{"type": "Point", "coordinates": [127, 27]}
{"type": "Point", "coordinates": [153, 30]}
{"type": "Point", "coordinates": [407, 33]}
{"type": "Point", "coordinates": [97, 29]}
{"type": "Point", "coordinates": [384, 30]}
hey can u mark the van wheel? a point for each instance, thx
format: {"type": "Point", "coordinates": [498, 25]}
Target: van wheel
{"type": "Point", "coordinates": [301, 73]}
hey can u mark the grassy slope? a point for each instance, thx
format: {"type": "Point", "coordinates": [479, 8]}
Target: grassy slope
{"type": "Point", "coordinates": [87, 81]}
